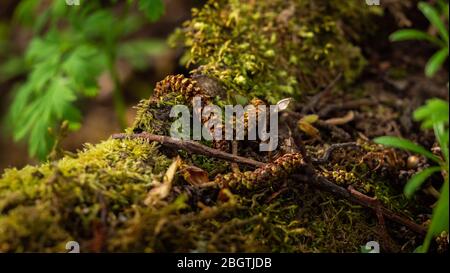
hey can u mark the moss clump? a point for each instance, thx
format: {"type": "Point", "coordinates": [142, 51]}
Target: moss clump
{"type": "Point", "coordinates": [274, 49]}
{"type": "Point", "coordinates": [43, 207]}
{"type": "Point", "coordinates": [97, 198]}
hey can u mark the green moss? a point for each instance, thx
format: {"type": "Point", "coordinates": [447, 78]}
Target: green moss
{"type": "Point", "coordinates": [274, 49]}
{"type": "Point", "coordinates": [97, 198]}
{"type": "Point", "coordinates": [210, 165]}
{"type": "Point", "coordinates": [256, 49]}
{"type": "Point", "coordinates": [42, 207]}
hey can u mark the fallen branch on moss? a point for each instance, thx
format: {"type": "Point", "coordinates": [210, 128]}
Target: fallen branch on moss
{"type": "Point", "coordinates": [191, 146]}
{"type": "Point", "coordinates": [315, 180]}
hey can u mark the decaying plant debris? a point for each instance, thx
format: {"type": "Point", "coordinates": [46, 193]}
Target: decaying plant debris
{"type": "Point", "coordinates": [134, 195]}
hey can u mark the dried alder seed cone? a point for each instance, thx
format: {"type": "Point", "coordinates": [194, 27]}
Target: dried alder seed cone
{"type": "Point", "coordinates": [265, 176]}
{"type": "Point", "coordinates": [179, 85]}
{"type": "Point", "coordinates": [176, 89]}
{"type": "Point", "coordinates": [153, 114]}
{"type": "Point", "coordinates": [224, 145]}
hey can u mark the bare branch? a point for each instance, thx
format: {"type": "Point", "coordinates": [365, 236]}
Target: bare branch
{"type": "Point", "coordinates": [193, 147]}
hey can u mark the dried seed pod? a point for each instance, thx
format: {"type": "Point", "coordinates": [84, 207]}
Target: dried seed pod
{"type": "Point", "coordinates": [187, 88]}
{"type": "Point", "coordinates": [264, 176]}
{"type": "Point", "coordinates": [153, 114]}
{"type": "Point", "coordinates": [412, 162]}
{"type": "Point", "coordinates": [442, 242]}
{"type": "Point", "coordinates": [255, 102]}
{"type": "Point", "coordinates": [179, 85]}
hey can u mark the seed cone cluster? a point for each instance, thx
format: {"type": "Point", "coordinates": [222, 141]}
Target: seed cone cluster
{"type": "Point", "coordinates": [264, 176]}
{"type": "Point", "coordinates": [153, 115]}
{"type": "Point", "coordinates": [178, 85]}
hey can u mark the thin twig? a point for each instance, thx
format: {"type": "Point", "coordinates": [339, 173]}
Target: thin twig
{"type": "Point", "coordinates": [316, 98]}
{"type": "Point", "coordinates": [234, 151]}
{"type": "Point", "coordinates": [191, 146]}
{"type": "Point", "coordinates": [364, 199]}
{"type": "Point", "coordinates": [348, 105]}
{"type": "Point", "coordinates": [384, 234]}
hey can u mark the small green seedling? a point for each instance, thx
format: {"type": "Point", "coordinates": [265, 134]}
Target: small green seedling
{"type": "Point", "coordinates": [433, 115]}
{"type": "Point", "coordinates": [437, 20]}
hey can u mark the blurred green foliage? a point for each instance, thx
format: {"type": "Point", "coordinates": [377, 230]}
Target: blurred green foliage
{"type": "Point", "coordinates": [71, 46]}
{"type": "Point", "coordinates": [433, 115]}
{"type": "Point", "coordinates": [437, 17]}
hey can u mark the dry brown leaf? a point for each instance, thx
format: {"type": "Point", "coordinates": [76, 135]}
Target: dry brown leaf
{"type": "Point", "coordinates": [195, 175]}
{"type": "Point", "coordinates": [308, 129]}
{"type": "Point", "coordinates": [341, 120]}
{"type": "Point", "coordinates": [224, 195]}
{"type": "Point", "coordinates": [305, 124]}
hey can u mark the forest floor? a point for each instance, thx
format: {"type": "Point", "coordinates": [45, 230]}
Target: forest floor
{"type": "Point", "coordinates": [302, 218]}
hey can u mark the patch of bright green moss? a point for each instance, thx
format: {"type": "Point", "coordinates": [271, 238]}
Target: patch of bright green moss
{"type": "Point", "coordinates": [275, 49]}
{"type": "Point", "coordinates": [43, 207]}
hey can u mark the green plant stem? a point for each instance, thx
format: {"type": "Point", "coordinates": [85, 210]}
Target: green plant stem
{"type": "Point", "coordinates": [119, 101]}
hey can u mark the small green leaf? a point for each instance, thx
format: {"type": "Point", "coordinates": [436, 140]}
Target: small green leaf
{"type": "Point", "coordinates": [433, 16]}
{"type": "Point", "coordinates": [310, 119]}
{"type": "Point", "coordinates": [444, 7]}
{"type": "Point", "coordinates": [20, 99]}
{"type": "Point", "coordinates": [25, 11]}
{"type": "Point", "coordinates": [241, 100]}
{"type": "Point", "coordinates": [439, 220]}
{"type": "Point", "coordinates": [364, 249]}
{"type": "Point", "coordinates": [418, 179]}
{"type": "Point", "coordinates": [414, 34]}
{"type": "Point", "coordinates": [434, 111]}
{"type": "Point", "coordinates": [41, 48]}
{"type": "Point", "coordinates": [441, 133]}
{"type": "Point", "coordinates": [44, 111]}
{"type": "Point", "coordinates": [418, 249]}
{"type": "Point", "coordinates": [11, 68]}
{"type": "Point", "coordinates": [100, 24]}
{"type": "Point", "coordinates": [405, 144]}
{"type": "Point", "coordinates": [74, 126]}
{"type": "Point", "coordinates": [436, 61]}
{"type": "Point", "coordinates": [83, 65]}
{"type": "Point", "coordinates": [154, 9]}
{"type": "Point", "coordinates": [40, 142]}
{"type": "Point", "coordinates": [27, 120]}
